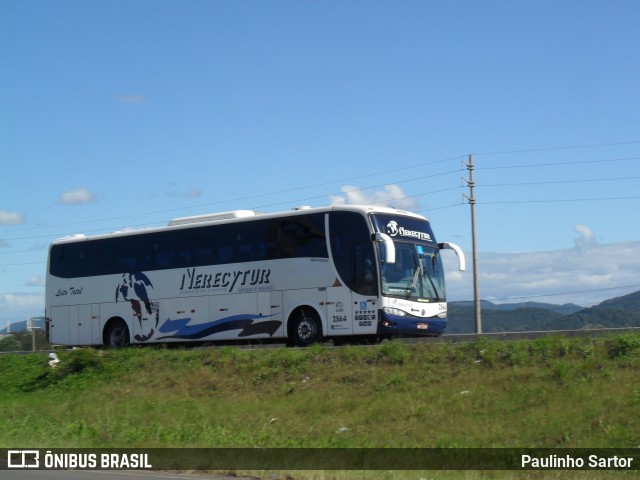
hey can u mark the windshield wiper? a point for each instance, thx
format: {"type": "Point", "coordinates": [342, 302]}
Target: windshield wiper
{"type": "Point", "coordinates": [418, 271]}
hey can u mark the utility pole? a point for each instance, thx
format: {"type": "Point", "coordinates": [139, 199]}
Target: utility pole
{"type": "Point", "coordinates": [472, 202]}
{"type": "Point", "coordinates": [32, 327]}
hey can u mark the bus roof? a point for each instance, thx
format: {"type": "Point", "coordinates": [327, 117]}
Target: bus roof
{"type": "Point", "coordinates": [236, 216]}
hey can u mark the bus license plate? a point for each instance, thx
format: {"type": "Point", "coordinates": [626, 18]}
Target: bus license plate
{"type": "Point", "coordinates": [423, 326]}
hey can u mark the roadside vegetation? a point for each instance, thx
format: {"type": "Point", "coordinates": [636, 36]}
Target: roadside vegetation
{"type": "Point", "coordinates": [550, 392]}
{"type": "Point", "coordinates": [23, 342]}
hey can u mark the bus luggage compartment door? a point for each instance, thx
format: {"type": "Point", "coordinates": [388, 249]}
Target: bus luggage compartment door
{"type": "Point", "coordinates": [364, 315]}
{"type": "Point", "coordinates": [59, 327]}
{"type": "Point", "coordinates": [86, 317]}
{"type": "Point", "coordinates": [269, 323]}
{"type": "Point", "coordinates": [339, 312]}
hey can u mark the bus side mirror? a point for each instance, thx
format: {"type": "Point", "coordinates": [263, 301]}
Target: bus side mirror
{"type": "Point", "coordinates": [389, 247]}
{"type": "Point", "coordinates": [459, 253]}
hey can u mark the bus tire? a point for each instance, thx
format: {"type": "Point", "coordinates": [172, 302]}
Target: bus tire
{"type": "Point", "coordinates": [305, 327]}
{"type": "Point", "coordinates": [117, 334]}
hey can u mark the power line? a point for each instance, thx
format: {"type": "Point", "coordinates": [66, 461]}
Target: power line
{"type": "Point", "coordinates": [25, 251]}
{"type": "Point", "coordinates": [262, 195]}
{"type": "Point", "coordinates": [503, 202]}
{"type": "Point", "coordinates": [423, 164]}
{"type": "Point", "coordinates": [254, 208]}
{"type": "Point", "coordinates": [363, 189]}
{"type": "Point", "coordinates": [441, 207]}
{"type": "Point", "coordinates": [561, 200]}
{"type": "Point", "coordinates": [358, 177]}
{"type": "Point", "coordinates": [549, 149]}
{"type": "Point", "coordinates": [23, 264]}
{"type": "Point", "coordinates": [555, 164]}
{"type": "Point", "coordinates": [558, 182]}
{"type": "Point", "coordinates": [258, 207]}
{"type": "Point", "coordinates": [370, 203]}
{"type": "Point", "coordinates": [520, 297]}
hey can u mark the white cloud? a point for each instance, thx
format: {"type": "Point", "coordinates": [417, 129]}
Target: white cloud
{"type": "Point", "coordinates": [586, 239]}
{"type": "Point", "coordinates": [11, 218]}
{"type": "Point", "coordinates": [389, 196]}
{"type": "Point", "coordinates": [78, 196]}
{"type": "Point", "coordinates": [37, 281]}
{"type": "Point", "coordinates": [15, 307]}
{"type": "Point", "coordinates": [586, 274]}
{"type": "Point", "coordinates": [133, 99]}
{"type": "Point", "coordinates": [19, 300]}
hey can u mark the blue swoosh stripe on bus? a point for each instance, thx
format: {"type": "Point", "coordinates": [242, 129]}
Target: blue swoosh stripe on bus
{"type": "Point", "coordinates": [182, 330]}
{"type": "Point", "coordinates": [270, 327]}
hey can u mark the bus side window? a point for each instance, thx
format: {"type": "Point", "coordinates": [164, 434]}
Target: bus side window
{"type": "Point", "coordinates": [127, 264]}
{"type": "Point", "coordinates": [225, 254]}
{"type": "Point", "coordinates": [244, 253]}
{"type": "Point", "coordinates": [163, 260]}
{"type": "Point", "coordinates": [204, 256]}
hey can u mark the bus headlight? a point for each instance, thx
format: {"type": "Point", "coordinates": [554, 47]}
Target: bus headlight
{"type": "Point", "coordinates": [394, 311]}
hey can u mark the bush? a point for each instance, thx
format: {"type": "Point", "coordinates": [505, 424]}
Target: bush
{"type": "Point", "coordinates": [74, 362]}
{"type": "Point", "coordinates": [624, 346]}
{"type": "Point", "coordinates": [82, 359]}
{"type": "Point", "coordinates": [9, 344]}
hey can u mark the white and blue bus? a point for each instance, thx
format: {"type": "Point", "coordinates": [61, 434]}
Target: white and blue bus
{"type": "Point", "coordinates": [303, 275]}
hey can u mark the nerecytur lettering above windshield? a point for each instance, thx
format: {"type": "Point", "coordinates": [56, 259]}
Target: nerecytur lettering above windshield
{"type": "Point", "coordinates": [399, 228]}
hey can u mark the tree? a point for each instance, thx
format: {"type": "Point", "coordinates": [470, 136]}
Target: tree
{"type": "Point", "coordinates": [26, 340]}
{"type": "Point", "coordinates": [9, 344]}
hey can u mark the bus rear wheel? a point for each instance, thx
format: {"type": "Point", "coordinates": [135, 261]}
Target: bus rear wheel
{"type": "Point", "coordinates": [117, 335]}
{"type": "Point", "coordinates": [305, 328]}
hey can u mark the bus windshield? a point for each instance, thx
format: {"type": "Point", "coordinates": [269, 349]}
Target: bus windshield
{"type": "Point", "coordinates": [417, 273]}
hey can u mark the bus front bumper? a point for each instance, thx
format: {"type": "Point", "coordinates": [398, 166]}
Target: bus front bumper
{"type": "Point", "coordinates": [390, 324]}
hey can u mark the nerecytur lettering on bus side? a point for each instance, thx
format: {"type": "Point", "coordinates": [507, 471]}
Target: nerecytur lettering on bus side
{"type": "Point", "coordinates": [192, 280]}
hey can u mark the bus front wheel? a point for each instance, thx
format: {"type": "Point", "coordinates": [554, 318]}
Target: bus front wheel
{"type": "Point", "coordinates": [305, 328]}
{"type": "Point", "coordinates": [117, 335]}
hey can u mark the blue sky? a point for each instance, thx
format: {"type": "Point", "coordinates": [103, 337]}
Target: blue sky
{"type": "Point", "coordinates": [118, 114]}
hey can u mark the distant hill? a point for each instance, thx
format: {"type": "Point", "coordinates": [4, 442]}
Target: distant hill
{"type": "Point", "coordinates": [626, 302]}
{"type": "Point", "coordinates": [462, 320]}
{"type": "Point", "coordinates": [616, 312]}
{"type": "Point", "coordinates": [564, 309]}
{"type": "Point", "coordinates": [22, 326]}
{"type": "Point", "coordinates": [533, 316]}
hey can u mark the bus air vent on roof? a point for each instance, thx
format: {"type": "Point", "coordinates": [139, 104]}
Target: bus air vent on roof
{"type": "Point", "coordinates": [213, 217]}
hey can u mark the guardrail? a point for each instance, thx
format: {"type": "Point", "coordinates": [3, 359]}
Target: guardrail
{"type": "Point", "coordinates": [447, 338]}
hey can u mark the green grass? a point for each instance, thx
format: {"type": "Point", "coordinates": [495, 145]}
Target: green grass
{"type": "Point", "coordinates": [551, 392]}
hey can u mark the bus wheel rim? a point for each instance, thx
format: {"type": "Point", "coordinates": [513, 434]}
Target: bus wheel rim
{"type": "Point", "coordinates": [306, 329]}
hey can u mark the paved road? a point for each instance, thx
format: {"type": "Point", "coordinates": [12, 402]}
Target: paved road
{"type": "Point", "coordinates": [106, 475]}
